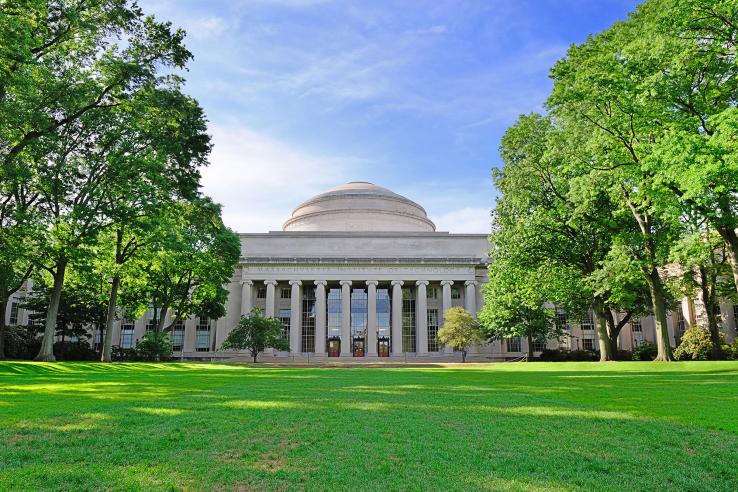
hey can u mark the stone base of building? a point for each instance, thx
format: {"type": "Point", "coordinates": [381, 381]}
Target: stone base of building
{"type": "Point", "coordinates": [344, 359]}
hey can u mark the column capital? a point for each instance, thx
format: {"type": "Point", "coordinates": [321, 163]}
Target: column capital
{"type": "Point", "coordinates": [397, 282]}
{"type": "Point", "coordinates": [422, 282]}
{"type": "Point", "coordinates": [345, 282]}
{"type": "Point", "coordinates": [270, 282]}
{"type": "Point", "coordinates": [247, 282]}
{"type": "Point", "coordinates": [320, 282]}
{"type": "Point", "coordinates": [447, 282]}
{"type": "Point", "coordinates": [295, 282]}
{"type": "Point", "coordinates": [372, 282]}
{"type": "Point", "coordinates": [471, 282]}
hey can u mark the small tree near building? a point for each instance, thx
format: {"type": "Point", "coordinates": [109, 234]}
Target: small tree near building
{"type": "Point", "coordinates": [254, 333]}
{"type": "Point", "coordinates": [460, 330]}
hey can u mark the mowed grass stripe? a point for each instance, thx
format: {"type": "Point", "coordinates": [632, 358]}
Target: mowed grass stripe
{"type": "Point", "coordinates": [536, 426]}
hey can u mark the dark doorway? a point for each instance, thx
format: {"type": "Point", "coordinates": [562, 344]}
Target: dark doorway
{"type": "Point", "coordinates": [334, 347]}
{"type": "Point", "coordinates": [383, 347]}
{"type": "Point", "coordinates": [359, 347]}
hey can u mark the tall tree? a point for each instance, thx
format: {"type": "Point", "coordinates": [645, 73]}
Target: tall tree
{"type": "Point", "coordinates": [72, 65]}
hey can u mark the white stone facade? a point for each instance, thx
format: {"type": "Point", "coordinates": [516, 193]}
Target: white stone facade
{"type": "Point", "coordinates": [360, 272]}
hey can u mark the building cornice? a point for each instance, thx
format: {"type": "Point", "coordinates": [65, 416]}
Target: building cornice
{"type": "Point", "coordinates": [332, 260]}
{"type": "Point", "coordinates": [362, 234]}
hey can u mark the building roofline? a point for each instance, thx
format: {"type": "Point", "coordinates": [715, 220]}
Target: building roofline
{"type": "Point", "coordinates": [437, 234]}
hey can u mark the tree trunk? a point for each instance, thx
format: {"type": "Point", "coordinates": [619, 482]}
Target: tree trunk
{"type": "Point", "coordinates": [254, 354]}
{"type": "Point", "coordinates": [46, 354]}
{"type": "Point", "coordinates": [709, 300]}
{"type": "Point", "coordinates": [530, 347]}
{"type": "Point", "coordinates": [606, 351]}
{"type": "Point", "coordinates": [731, 242]}
{"type": "Point", "coordinates": [162, 318]}
{"type": "Point", "coordinates": [107, 352]}
{"type": "Point", "coordinates": [3, 307]}
{"type": "Point", "coordinates": [463, 356]}
{"type": "Point", "coordinates": [658, 302]}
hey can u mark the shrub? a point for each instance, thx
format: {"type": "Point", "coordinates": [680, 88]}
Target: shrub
{"type": "Point", "coordinates": [154, 347]}
{"type": "Point", "coordinates": [553, 355]}
{"type": "Point", "coordinates": [119, 354]}
{"type": "Point", "coordinates": [581, 355]}
{"type": "Point", "coordinates": [696, 345]}
{"type": "Point", "coordinates": [21, 342]}
{"type": "Point", "coordinates": [623, 355]}
{"type": "Point", "coordinates": [645, 351]}
{"type": "Point", "coordinates": [79, 350]}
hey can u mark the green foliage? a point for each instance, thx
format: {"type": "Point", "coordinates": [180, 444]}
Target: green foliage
{"type": "Point", "coordinates": [21, 342]}
{"type": "Point", "coordinates": [460, 330]}
{"type": "Point", "coordinates": [696, 344]}
{"type": "Point", "coordinates": [254, 333]}
{"type": "Point", "coordinates": [154, 347]}
{"type": "Point", "coordinates": [645, 351]}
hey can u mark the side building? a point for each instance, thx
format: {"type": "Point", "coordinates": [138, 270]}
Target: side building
{"type": "Point", "coordinates": [361, 272]}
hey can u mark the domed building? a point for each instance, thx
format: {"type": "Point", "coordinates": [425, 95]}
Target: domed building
{"type": "Point", "coordinates": [356, 272]}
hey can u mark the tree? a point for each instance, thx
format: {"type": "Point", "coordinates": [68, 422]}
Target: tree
{"type": "Point", "coordinates": [515, 304]}
{"type": "Point", "coordinates": [72, 69]}
{"type": "Point", "coordinates": [192, 257]}
{"type": "Point", "coordinates": [460, 330]}
{"type": "Point", "coordinates": [254, 333]}
{"type": "Point", "coordinates": [696, 344]}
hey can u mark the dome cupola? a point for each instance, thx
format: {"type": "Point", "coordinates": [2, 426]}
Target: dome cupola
{"type": "Point", "coordinates": [359, 206]}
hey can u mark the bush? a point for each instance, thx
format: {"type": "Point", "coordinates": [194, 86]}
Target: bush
{"type": "Point", "coordinates": [153, 347]}
{"type": "Point", "coordinates": [553, 355]}
{"type": "Point", "coordinates": [581, 356]}
{"type": "Point", "coordinates": [623, 355]}
{"type": "Point", "coordinates": [79, 350]}
{"type": "Point", "coordinates": [696, 345]}
{"type": "Point", "coordinates": [645, 351]}
{"type": "Point", "coordinates": [21, 342]}
{"type": "Point", "coordinates": [119, 354]}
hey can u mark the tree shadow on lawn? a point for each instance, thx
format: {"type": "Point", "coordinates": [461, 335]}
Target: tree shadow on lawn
{"type": "Point", "coordinates": [367, 429]}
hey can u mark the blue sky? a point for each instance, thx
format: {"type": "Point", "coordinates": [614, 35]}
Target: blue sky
{"type": "Point", "coordinates": [304, 95]}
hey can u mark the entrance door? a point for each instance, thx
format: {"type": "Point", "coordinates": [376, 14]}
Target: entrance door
{"type": "Point", "coordinates": [334, 347]}
{"type": "Point", "coordinates": [358, 347]}
{"type": "Point", "coordinates": [383, 347]}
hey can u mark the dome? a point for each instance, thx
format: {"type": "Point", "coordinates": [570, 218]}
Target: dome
{"type": "Point", "coordinates": [359, 206]}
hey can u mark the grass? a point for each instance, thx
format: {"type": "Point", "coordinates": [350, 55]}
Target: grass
{"type": "Point", "coordinates": [568, 426]}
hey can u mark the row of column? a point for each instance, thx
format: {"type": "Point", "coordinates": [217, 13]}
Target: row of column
{"type": "Point", "coordinates": [421, 312]}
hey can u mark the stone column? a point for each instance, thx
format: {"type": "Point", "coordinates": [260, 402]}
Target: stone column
{"type": "Point", "coordinates": [397, 317]}
{"type": "Point", "coordinates": [371, 325]}
{"type": "Point", "coordinates": [270, 287]}
{"type": "Point", "coordinates": [246, 296]}
{"type": "Point", "coordinates": [446, 305]}
{"type": "Point", "coordinates": [346, 341]}
{"type": "Point", "coordinates": [421, 318]}
{"type": "Point", "coordinates": [295, 316]}
{"type": "Point", "coordinates": [320, 317]}
{"type": "Point", "coordinates": [470, 300]}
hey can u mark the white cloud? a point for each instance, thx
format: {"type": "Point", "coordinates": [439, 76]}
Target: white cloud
{"type": "Point", "coordinates": [464, 220]}
{"type": "Point", "coordinates": [260, 179]}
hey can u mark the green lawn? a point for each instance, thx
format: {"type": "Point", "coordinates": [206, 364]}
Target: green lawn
{"type": "Point", "coordinates": [536, 426]}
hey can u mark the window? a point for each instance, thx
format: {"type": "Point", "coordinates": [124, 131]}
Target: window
{"type": "Point", "coordinates": [308, 320]}
{"type": "Point", "coordinates": [588, 322]}
{"type": "Point", "coordinates": [152, 319]}
{"type": "Point", "coordinates": [202, 335]}
{"type": "Point", "coordinates": [408, 319]}
{"type": "Point", "coordinates": [735, 314]}
{"type": "Point", "coordinates": [636, 326]}
{"type": "Point", "coordinates": [433, 330]}
{"type": "Point", "coordinates": [431, 293]}
{"type": "Point", "coordinates": [561, 322]}
{"type": "Point", "coordinates": [513, 344]}
{"type": "Point", "coordinates": [334, 313]}
{"type": "Point", "coordinates": [285, 293]}
{"type": "Point", "coordinates": [384, 313]}
{"type": "Point", "coordinates": [359, 312]}
{"type": "Point", "coordinates": [126, 334]}
{"type": "Point", "coordinates": [455, 293]}
{"type": "Point", "coordinates": [261, 293]}
{"type": "Point", "coordinates": [539, 345]}
{"type": "Point", "coordinates": [97, 340]}
{"type": "Point", "coordinates": [587, 344]}
{"type": "Point", "coordinates": [13, 313]}
{"type": "Point", "coordinates": [285, 317]}
{"type": "Point", "coordinates": [177, 338]}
